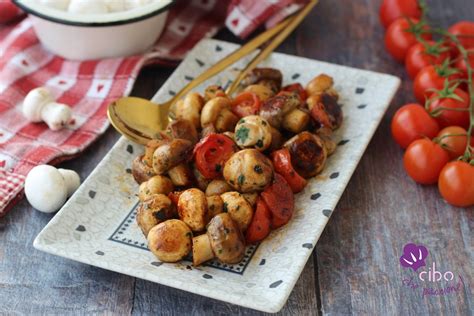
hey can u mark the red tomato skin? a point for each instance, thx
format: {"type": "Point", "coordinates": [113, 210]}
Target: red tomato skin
{"type": "Point", "coordinates": [174, 196]}
{"type": "Point", "coordinates": [461, 65]}
{"type": "Point", "coordinates": [280, 200]}
{"type": "Point", "coordinates": [449, 118]}
{"type": "Point", "coordinates": [282, 163]}
{"type": "Point", "coordinates": [210, 164]}
{"type": "Point", "coordinates": [8, 11]}
{"type": "Point", "coordinates": [424, 160]}
{"type": "Point", "coordinates": [260, 226]}
{"type": "Point", "coordinates": [246, 103]}
{"type": "Point", "coordinates": [428, 78]}
{"type": "Point", "coordinates": [417, 58]}
{"type": "Point", "coordinates": [464, 30]}
{"type": "Point", "coordinates": [398, 41]}
{"type": "Point", "coordinates": [297, 88]}
{"type": "Point", "coordinates": [412, 122]}
{"type": "Point", "coordinates": [456, 183]}
{"type": "Point", "coordinates": [390, 10]}
{"type": "Point", "coordinates": [454, 145]}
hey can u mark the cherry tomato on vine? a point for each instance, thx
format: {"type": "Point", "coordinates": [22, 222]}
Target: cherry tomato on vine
{"type": "Point", "coordinates": [464, 30]}
{"type": "Point", "coordinates": [400, 36]}
{"type": "Point", "coordinates": [394, 9]}
{"type": "Point", "coordinates": [451, 111]}
{"type": "Point", "coordinates": [456, 183]}
{"type": "Point", "coordinates": [421, 55]}
{"type": "Point", "coordinates": [454, 140]}
{"type": "Point", "coordinates": [211, 153]}
{"type": "Point", "coordinates": [246, 103]}
{"type": "Point", "coordinates": [424, 160]}
{"type": "Point", "coordinates": [461, 65]}
{"type": "Point", "coordinates": [412, 122]}
{"type": "Point", "coordinates": [431, 77]}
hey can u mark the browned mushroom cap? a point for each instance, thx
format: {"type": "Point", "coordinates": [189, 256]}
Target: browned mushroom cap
{"type": "Point", "coordinates": [308, 154]}
{"type": "Point", "coordinates": [141, 171]}
{"type": "Point", "coordinates": [170, 154]}
{"type": "Point", "coordinates": [156, 185]}
{"type": "Point", "coordinates": [183, 129]}
{"type": "Point", "coordinates": [153, 211]}
{"type": "Point", "coordinates": [319, 84]}
{"type": "Point", "coordinates": [170, 241]}
{"type": "Point", "coordinates": [269, 77]}
{"type": "Point", "coordinates": [275, 108]}
{"type": "Point", "coordinates": [192, 209]}
{"type": "Point", "coordinates": [226, 239]}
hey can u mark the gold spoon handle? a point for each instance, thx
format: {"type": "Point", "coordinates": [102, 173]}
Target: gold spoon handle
{"type": "Point", "coordinates": [293, 23]}
{"type": "Point", "coordinates": [232, 58]}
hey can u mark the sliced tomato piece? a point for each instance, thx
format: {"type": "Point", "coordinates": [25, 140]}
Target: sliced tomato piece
{"type": "Point", "coordinates": [298, 89]}
{"type": "Point", "coordinates": [211, 153]}
{"type": "Point", "coordinates": [280, 200]}
{"type": "Point", "coordinates": [260, 226]}
{"type": "Point", "coordinates": [246, 103]}
{"type": "Point", "coordinates": [282, 164]}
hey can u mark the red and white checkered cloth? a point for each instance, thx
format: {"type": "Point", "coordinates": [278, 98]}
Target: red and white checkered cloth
{"type": "Point", "coordinates": [88, 87]}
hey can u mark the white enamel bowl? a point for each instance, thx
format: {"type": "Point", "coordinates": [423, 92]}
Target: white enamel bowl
{"type": "Point", "coordinates": [97, 36]}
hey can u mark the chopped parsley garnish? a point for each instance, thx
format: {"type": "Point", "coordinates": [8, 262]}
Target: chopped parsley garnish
{"type": "Point", "coordinates": [218, 168]}
{"type": "Point", "coordinates": [259, 143]}
{"type": "Point", "coordinates": [241, 179]}
{"type": "Point", "coordinates": [242, 134]}
{"type": "Point", "coordinates": [224, 207]}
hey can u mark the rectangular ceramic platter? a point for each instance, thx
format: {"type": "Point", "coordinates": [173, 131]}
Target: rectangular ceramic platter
{"type": "Point", "coordinates": [97, 225]}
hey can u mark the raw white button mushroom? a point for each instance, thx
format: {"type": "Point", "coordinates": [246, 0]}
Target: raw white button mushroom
{"type": "Point", "coordinates": [88, 7]}
{"type": "Point", "coordinates": [56, 4]}
{"type": "Point", "coordinates": [39, 106]}
{"type": "Point", "coordinates": [47, 188]}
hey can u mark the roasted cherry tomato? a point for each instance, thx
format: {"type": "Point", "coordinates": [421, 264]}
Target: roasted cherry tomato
{"type": "Point", "coordinates": [246, 103]}
{"type": "Point", "coordinates": [451, 111]}
{"type": "Point", "coordinates": [423, 161]}
{"type": "Point", "coordinates": [211, 153]}
{"type": "Point", "coordinates": [280, 200]}
{"type": "Point", "coordinates": [454, 140]}
{"type": "Point", "coordinates": [456, 183]}
{"type": "Point", "coordinates": [394, 9]}
{"type": "Point", "coordinates": [421, 55]}
{"type": "Point", "coordinates": [464, 30]}
{"type": "Point", "coordinates": [400, 36]}
{"type": "Point", "coordinates": [260, 226]}
{"type": "Point", "coordinates": [174, 196]}
{"type": "Point", "coordinates": [298, 89]}
{"type": "Point", "coordinates": [412, 122]}
{"type": "Point", "coordinates": [282, 164]}
{"type": "Point", "coordinates": [431, 77]}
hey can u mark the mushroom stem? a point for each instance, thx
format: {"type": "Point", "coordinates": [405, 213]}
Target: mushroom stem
{"type": "Point", "coordinates": [56, 115]}
{"type": "Point", "coordinates": [72, 181]}
{"type": "Point", "coordinates": [202, 250]}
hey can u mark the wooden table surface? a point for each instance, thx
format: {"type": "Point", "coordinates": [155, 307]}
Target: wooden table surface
{"type": "Point", "coordinates": [354, 268]}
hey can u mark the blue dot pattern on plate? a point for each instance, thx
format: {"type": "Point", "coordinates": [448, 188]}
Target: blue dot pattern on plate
{"type": "Point", "coordinates": [128, 233]}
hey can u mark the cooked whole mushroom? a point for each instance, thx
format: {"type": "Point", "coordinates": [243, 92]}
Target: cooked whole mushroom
{"type": "Point", "coordinates": [141, 171]}
{"type": "Point", "coordinates": [153, 211]}
{"type": "Point", "coordinates": [181, 175]}
{"type": "Point", "coordinates": [217, 112]}
{"type": "Point", "coordinates": [215, 206]}
{"type": "Point", "coordinates": [217, 187]}
{"type": "Point", "coordinates": [253, 132]}
{"type": "Point", "coordinates": [214, 91]}
{"type": "Point", "coordinates": [155, 185]}
{"type": "Point", "coordinates": [223, 240]}
{"type": "Point", "coordinates": [325, 111]}
{"type": "Point", "coordinates": [238, 208]}
{"type": "Point", "coordinates": [274, 109]}
{"type": "Point", "coordinates": [251, 198]}
{"type": "Point", "coordinates": [308, 154]}
{"type": "Point", "coordinates": [263, 92]}
{"type": "Point", "coordinates": [170, 241]}
{"type": "Point", "coordinates": [248, 170]}
{"type": "Point", "coordinates": [171, 153]}
{"type": "Point", "coordinates": [192, 209]}
{"type": "Point", "coordinates": [296, 121]}
{"type": "Point", "coordinates": [320, 84]}
{"type": "Point", "coordinates": [183, 129]}
{"type": "Point", "coordinates": [268, 77]}
{"type": "Point", "coordinates": [189, 109]}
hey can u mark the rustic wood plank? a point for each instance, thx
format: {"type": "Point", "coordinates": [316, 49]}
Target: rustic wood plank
{"type": "Point", "coordinates": [381, 209]}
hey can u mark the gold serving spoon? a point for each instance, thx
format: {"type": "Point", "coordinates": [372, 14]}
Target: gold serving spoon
{"type": "Point", "coordinates": [141, 120]}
